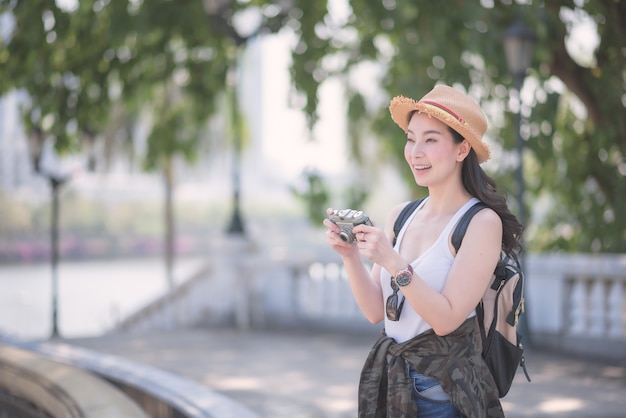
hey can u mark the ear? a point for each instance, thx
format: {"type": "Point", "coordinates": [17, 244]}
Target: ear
{"type": "Point", "coordinates": [463, 150]}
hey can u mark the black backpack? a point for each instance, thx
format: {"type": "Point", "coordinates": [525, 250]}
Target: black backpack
{"type": "Point", "coordinates": [499, 309]}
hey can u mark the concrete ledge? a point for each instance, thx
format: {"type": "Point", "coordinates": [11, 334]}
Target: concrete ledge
{"type": "Point", "coordinates": [612, 350]}
{"type": "Point", "coordinates": [158, 392]}
{"type": "Point", "coordinates": [59, 390]}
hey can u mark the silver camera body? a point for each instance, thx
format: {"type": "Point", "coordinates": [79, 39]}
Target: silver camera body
{"type": "Point", "coordinates": [346, 220]}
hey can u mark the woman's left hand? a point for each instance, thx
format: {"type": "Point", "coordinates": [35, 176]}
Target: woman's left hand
{"type": "Point", "coordinates": [372, 242]}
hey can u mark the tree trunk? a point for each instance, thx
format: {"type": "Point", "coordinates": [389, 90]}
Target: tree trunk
{"type": "Point", "coordinates": [168, 178]}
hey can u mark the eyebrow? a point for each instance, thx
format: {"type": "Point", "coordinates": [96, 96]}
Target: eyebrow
{"type": "Point", "coordinates": [430, 131]}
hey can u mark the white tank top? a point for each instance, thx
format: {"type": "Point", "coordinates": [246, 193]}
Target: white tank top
{"type": "Point", "coordinates": [433, 266]}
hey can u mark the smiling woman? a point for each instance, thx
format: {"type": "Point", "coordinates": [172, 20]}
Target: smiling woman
{"type": "Point", "coordinates": [424, 290]}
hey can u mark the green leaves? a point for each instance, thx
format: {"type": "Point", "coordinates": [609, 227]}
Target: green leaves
{"type": "Point", "coordinates": [574, 121]}
{"type": "Point", "coordinates": [77, 67]}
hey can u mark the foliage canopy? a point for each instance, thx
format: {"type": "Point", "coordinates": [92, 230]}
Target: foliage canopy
{"type": "Point", "coordinates": [81, 66]}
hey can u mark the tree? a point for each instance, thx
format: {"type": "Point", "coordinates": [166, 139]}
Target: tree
{"type": "Point", "coordinates": [85, 67]}
{"type": "Point", "coordinates": [576, 126]}
{"type": "Point", "coordinates": [175, 75]}
{"type": "Point", "coordinates": [573, 109]}
{"type": "Point", "coordinates": [96, 67]}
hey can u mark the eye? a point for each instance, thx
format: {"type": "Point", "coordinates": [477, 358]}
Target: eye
{"type": "Point", "coordinates": [409, 139]}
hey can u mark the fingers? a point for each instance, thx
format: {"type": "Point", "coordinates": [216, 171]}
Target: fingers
{"type": "Point", "coordinates": [330, 225]}
{"type": "Point", "coordinates": [360, 234]}
{"type": "Point", "coordinates": [366, 229]}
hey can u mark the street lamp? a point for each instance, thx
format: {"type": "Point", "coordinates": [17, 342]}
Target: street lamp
{"type": "Point", "coordinates": [56, 180]}
{"type": "Point", "coordinates": [217, 9]}
{"type": "Point", "coordinates": [519, 43]}
{"type": "Point", "coordinates": [236, 226]}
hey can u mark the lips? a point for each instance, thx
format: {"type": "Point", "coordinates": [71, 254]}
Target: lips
{"type": "Point", "coordinates": [421, 167]}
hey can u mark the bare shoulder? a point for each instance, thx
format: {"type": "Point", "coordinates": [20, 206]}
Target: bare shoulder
{"type": "Point", "coordinates": [486, 225]}
{"type": "Point", "coordinates": [483, 235]}
{"type": "Point", "coordinates": [486, 218]}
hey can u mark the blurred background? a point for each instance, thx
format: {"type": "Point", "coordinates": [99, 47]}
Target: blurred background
{"type": "Point", "coordinates": [139, 138]}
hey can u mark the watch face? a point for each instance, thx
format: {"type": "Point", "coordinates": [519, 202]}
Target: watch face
{"type": "Point", "coordinates": [403, 278]}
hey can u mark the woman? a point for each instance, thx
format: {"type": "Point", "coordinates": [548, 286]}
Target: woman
{"type": "Point", "coordinates": [427, 363]}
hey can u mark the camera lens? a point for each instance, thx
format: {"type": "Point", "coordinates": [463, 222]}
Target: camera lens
{"type": "Point", "coordinates": [346, 236]}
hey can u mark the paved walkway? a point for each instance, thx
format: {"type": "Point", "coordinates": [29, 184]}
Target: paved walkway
{"type": "Point", "coordinates": [315, 374]}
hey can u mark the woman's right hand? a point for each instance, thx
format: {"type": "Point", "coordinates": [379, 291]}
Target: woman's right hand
{"type": "Point", "coordinates": [334, 241]}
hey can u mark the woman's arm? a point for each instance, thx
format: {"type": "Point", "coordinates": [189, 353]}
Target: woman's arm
{"type": "Point", "coordinates": [467, 281]}
{"type": "Point", "coordinates": [365, 284]}
{"type": "Point", "coordinates": [469, 276]}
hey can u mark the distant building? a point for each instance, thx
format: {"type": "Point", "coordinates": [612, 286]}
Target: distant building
{"type": "Point", "coordinates": [15, 165]}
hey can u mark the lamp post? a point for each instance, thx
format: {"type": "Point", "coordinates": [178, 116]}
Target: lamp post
{"type": "Point", "coordinates": [216, 9]}
{"type": "Point", "coordinates": [56, 180]}
{"type": "Point", "coordinates": [236, 226]}
{"type": "Point", "coordinates": [519, 43]}
{"type": "Point", "coordinates": [55, 184]}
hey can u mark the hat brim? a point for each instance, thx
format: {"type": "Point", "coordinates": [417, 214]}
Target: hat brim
{"type": "Point", "coordinates": [401, 107]}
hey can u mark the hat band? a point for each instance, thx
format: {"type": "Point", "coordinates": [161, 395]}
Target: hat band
{"type": "Point", "coordinates": [445, 109]}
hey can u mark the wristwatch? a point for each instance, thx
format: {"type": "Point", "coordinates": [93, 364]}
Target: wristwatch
{"type": "Point", "coordinates": [404, 276]}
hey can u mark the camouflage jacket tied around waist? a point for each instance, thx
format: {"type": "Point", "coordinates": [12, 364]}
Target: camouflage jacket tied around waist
{"type": "Point", "coordinates": [385, 389]}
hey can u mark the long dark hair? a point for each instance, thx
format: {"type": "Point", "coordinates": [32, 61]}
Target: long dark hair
{"type": "Point", "coordinates": [484, 188]}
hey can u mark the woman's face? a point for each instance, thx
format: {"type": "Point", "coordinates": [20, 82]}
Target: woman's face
{"type": "Point", "coordinates": [431, 152]}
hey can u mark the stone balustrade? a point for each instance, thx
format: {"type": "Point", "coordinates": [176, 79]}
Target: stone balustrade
{"type": "Point", "coordinates": [575, 302]}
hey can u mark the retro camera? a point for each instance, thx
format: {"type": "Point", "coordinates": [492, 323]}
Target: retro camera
{"type": "Point", "coordinates": [346, 220]}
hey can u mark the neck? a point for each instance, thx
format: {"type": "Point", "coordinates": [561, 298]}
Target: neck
{"type": "Point", "coordinates": [448, 200]}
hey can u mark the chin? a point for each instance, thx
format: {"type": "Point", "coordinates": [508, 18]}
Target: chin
{"type": "Point", "coordinates": [421, 181]}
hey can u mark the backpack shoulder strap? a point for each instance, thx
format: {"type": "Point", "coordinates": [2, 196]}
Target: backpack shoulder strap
{"type": "Point", "coordinates": [461, 227]}
{"type": "Point", "coordinates": [403, 216]}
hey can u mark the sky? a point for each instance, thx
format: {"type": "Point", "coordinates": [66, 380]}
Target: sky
{"type": "Point", "coordinates": [286, 140]}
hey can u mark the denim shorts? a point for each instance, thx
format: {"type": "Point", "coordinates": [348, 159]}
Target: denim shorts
{"type": "Point", "coordinates": [430, 398]}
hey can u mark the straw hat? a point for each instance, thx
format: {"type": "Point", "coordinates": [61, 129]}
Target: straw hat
{"type": "Point", "coordinates": [450, 106]}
